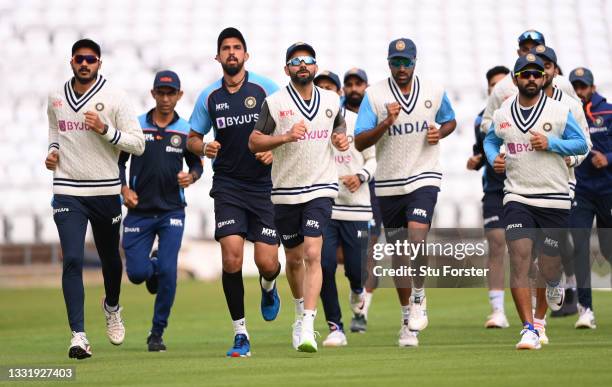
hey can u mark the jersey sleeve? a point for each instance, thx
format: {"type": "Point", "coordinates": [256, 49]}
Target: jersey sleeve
{"type": "Point", "coordinates": [492, 143]}
{"type": "Point", "coordinates": [366, 117]}
{"type": "Point", "coordinates": [194, 163]}
{"type": "Point", "coordinates": [265, 123]}
{"type": "Point", "coordinates": [445, 112]}
{"type": "Point", "coordinates": [369, 166]}
{"type": "Point", "coordinates": [269, 86]}
{"type": "Point", "coordinates": [200, 118]}
{"type": "Point", "coordinates": [572, 142]}
{"type": "Point", "coordinates": [123, 158]}
{"type": "Point", "coordinates": [126, 133]}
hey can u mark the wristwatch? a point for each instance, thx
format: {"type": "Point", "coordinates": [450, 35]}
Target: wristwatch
{"type": "Point", "coordinates": [361, 177]}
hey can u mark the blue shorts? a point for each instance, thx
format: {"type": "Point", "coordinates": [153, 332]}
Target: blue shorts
{"type": "Point", "coordinates": [417, 206]}
{"type": "Point", "coordinates": [546, 227]}
{"type": "Point", "coordinates": [493, 210]}
{"type": "Point", "coordinates": [375, 225]}
{"type": "Point", "coordinates": [295, 221]}
{"type": "Point", "coordinates": [249, 214]}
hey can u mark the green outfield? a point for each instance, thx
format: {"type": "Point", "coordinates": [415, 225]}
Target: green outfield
{"type": "Point", "coordinates": [455, 349]}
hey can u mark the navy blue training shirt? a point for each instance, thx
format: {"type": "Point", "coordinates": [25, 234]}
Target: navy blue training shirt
{"type": "Point", "coordinates": [492, 182]}
{"type": "Point", "coordinates": [153, 175]}
{"type": "Point", "coordinates": [233, 117]}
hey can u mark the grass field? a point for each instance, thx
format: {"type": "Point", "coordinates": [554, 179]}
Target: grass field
{"type": "Point", "coordinates": [455, 349]}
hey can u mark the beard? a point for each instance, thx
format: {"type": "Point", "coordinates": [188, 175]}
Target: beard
{"type": "Point", "coordinates": [547, 83]}
{"type": "Point", "coordinates": [401, 82]}
{"type": "Point", "coordinates": [232, 69]}
{"type": "Point", "coordinates": [354, 99]}
{"type": "Point", "coordinates": [83, 80]}
{"type": "Point", "coordinates": [529, 93]}
{"type": "Point", "coordinates": [302, 81]}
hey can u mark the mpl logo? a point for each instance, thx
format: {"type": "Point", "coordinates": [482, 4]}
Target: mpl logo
{"type": "Point", "coordinates": [57, 103]}
{"type": "Point", "coordinates": [285, 113]}
{"type": "Point", "coordinates": [176, 222]}
{"type": "Point", "coordinates": [551, 242]}
{"type": "Point", "coordinates": [269, 232]}
{"type": "Point", "coordinates": [149, 137]}
{"type": "Point", "coordinates": [222, 106]}
{"type": "Point", "coordinates": [514, 148]}
{"type": "Point", "coordinates": [117, 219]}
{"type": "Point", "coordinates": [420, 212]}
{"type": "Point", "coordinates": [505, 125]}
{"type": "Point", "coordinates": [312, 223]}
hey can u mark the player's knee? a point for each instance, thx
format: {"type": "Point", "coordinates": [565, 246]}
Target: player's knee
{"type": "Point", "coordinates": [137, 276]}
{"type": "Point", "coordinates": [72, 263]}
{"type": "Point", "coordinates": [232, 263]}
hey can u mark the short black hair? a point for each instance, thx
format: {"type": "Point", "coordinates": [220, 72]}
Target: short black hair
{"type": "Point", "coordinates": [496, 71]}
{"type": "Point", "coordinates": [86, 43]}
{"type": "Point", "coordinates": [230, 32]}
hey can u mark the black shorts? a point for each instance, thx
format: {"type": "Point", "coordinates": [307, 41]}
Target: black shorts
{"type": "Point", "coordinates": [375, 225]}
{"type": "Point", "coordinates": [249, 214]}
{"type": "Point", "coordinates": [546, 227]}
{"type": "Point", "coordinates": [493, 210]}
{"type": "Point", "coordinates": [417, 206]}
{"type": "Point", "coordinates": [295, 221]}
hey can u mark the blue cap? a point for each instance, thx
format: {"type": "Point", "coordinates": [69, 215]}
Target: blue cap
{"type": "Point", "coordinates": [526, 60]}
{"type": "Point", "coordinates": [582, 74]}
{"type": "Point", "coordinates": [534, 35]}
{"type": "Point", "coordinates": [331, 76]}
{"type": "Point", "coordinates": [402, 48]}
{"type": "Point", "coordinates": [545, 53]}
{"type": "Point", "coordinates": [357, 72]}
{"type": "Point", "coordinates": [167, 78]}
{"type": "Point", "coordinates": [299, 46]}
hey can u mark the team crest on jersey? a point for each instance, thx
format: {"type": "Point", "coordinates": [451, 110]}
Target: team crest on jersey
{"type": "Point", "coordinates": [250, 102]}
{"type": "Point", "coordinates": [176, 141]}
{"type": "Point", "coordinates": [99, 106]}
{"type": "Point", "coordinates": [599, 121]}
{"type": "Point", "coordinates": [428, 104]}
{"type": "Point", "coordinates": [540, 49]}
{"type": "Point", "coordinates": [579, 72]}
{"type": "Point", "coordinates": [530, 58]}
{"type": "Point", "coordinates": [547, 126]}
{"type": "Point", "coordinates": [400, 45]}
{"type": "Point", "coordinates": [328, 113]}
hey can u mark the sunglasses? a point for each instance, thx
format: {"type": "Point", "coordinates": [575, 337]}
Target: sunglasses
{"type": "Point", "coordinates": [89, 59]}
{"type": "Point", "coordinates": [531, 35]}
{"type": "Point", "coordinates": [398, 62]}
{"type": "Point", "coordinates": [526, 74]}
{"type": "Point", "coordinates": [299, 59]}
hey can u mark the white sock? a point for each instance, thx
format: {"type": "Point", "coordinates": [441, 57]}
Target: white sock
{"type": "Point", "coordinates": [267, 285]}
{"type": "Point", "coordinates": [405, 313]}
{"type": "Point", "coordinates": [240, 327]}
{"type": "Point", "coordinates": [299, 307]}
{"type": "Point", "coordinates": [541, 322]}
{"type": "Point", "coordinates": [418, 293]}
{"type": "Point", "coordinates": [496, 299]}
{"type": "Point", "coordinates": [570, 282]}
{"type": "Point", "coordinates": [366, 303]}
{"type": "Point", "coordinates": [111, 308]}
{"type": "Point", "coordinates": [308, 319]}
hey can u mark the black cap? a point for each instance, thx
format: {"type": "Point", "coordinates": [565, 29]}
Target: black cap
{"type": "Point", "coordinates": [526, 60]}
{"type": "Point", "coordinates": [86, 43]}
{"type": "Point", "coordinates": [545, 53]}
{"type": "Point", "coordinates": [582, 74]}
{"type": "Point", "coordinates": [331, 76]}
{"type": "Point", "coordinates": [299, 46]}
{"type": "Point", "coordinates": [167, 78]}
{"type": "Point", "coordinates": [230, 32]}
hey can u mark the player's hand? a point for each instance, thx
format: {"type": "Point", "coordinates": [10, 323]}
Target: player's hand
{"type": "Point", "coordinates": [297, 132]}
{"type": "Point", "coordinates": [211, 149]}
{"type": "Point", "coordinates": [599, 160]}
{"type": "Point", "coordinates": [568, 161]}
{"type": "Point", "coordinates": [433, 135]}
{"type": "Point", "coordinates": [184, 179]}
{"type": "Point", "coordinates": [499, 165]}
{"type": "Point", "coordinates": [340, 141]}
{"type": "Point", "coordinates": [130, 197]}
{"type": "Point", "coordinates": [52, 160]}
{"type": "Point", "coordinates": [538, 141]}
{"type": "Point", "coordinates": [264, 157]}
{"type": "Point", "coordinates": [473, 162]}
{"type": "Point", "coordinates": [393, 110]}
{"type": "Point", "coordinates": [351, 182]}
{"type": "Point", "coordinates": [93, 121]}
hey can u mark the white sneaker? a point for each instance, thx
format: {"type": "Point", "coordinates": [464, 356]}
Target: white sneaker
{"type": "Point", "coordinates": [529, 340]}
{"type": "Point", "coordinates": [357, 302]}
{"type": "Point", "coordinates": [586, 319]}
{"type": "Point", "coordinates": [418, 314]}
{"type": "Point", "coordinates": [308, 342]}
{"type": "Point", "coordinates": [297, 332]}
{"type": "Point", "coordinates": [497, 319]}
{"type": "Point", "coordinates": [407, 338]}
{"type": "Point", "coordinates": [114, 325]}
{"type": "Point", "coordinates": [541, 333]}
{"type": "Point", "coordinates": [79, 346]}
{"type": "Point", "coordinates": [335, 338]}
{"type": "Point", "coordinates": [555, 297]}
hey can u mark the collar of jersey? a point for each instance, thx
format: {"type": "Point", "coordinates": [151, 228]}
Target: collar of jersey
{"type": "Point", "coordinates": [523, 124]}
{"type": "Point", "coordinates": [150, 119]}
{"type": "Point", "coordinates": [308, 110]}
{"type": "Point", "coordinates": [407, 103]}
{"type": "Point", "coordinates": [76, 103]}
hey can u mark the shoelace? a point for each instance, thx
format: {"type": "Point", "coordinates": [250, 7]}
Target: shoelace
{"type": "Point", "coordinates": [114, 320]}
{"type": "Point", "coordinates": [239, 341]}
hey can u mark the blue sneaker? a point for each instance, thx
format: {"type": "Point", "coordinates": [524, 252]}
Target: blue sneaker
{"type": "Point", "coordinates": [241, 348]}
{"type": "Point", "coordinates": [270, 302]}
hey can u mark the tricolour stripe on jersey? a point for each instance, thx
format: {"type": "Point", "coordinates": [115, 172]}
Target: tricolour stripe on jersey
{"type": "Point", "coordinates": [408, 180]}
{"type": "Point", "coordinates": [76, 103]}
{"type": "Point", "coordinates": [409, 103]}
{"type": "Point", "coordinates": [308, 110]}
{"type": "Point", "coordinates": [303, 190]}
{"type": "Point", "coordinates": [526, 124]}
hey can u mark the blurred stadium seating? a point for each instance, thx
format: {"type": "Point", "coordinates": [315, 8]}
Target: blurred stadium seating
{"type": "Point", "coordinates": [457, 40]}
